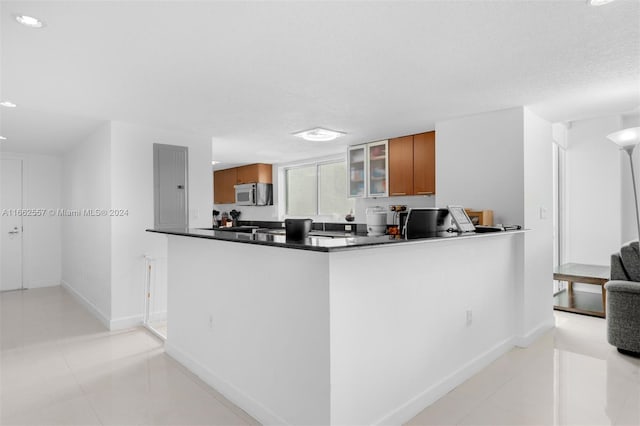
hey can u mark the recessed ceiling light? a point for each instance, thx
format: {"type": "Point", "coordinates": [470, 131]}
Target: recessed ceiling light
{"type": "Point", "coordinates": [319, 134]}
{"type": "Point", "coordinates": [8, 104]}
{"type": "Point", "coordinates": [29, 21]}
{"type": "Point", "coordinates": [598, 2]}
{"type": "Point", "coordinates": [2, 138]}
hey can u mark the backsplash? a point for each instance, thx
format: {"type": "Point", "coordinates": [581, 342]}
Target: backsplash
{"type": "Point", "coordinates": [259, 213]}
{"type": "Point", "coordinates": [410, 201]}
{"type": "Point", "coordinates": [270, 213]}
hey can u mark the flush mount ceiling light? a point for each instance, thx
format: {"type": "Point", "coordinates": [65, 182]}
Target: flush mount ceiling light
{"type": "Point", "coordinates": [29, 21]}
{"type": "Point", "coordinates": [319, 134]}
{"type": "Point", "coordinates": [8, 104]}
{"type": "Point", "coordinates": [598, 2]}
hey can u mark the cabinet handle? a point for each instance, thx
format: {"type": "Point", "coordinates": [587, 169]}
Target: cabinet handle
{"type": "Point", "coordinates": [398, 193]}
{"type": "Point", "coordinates": [424, 193]}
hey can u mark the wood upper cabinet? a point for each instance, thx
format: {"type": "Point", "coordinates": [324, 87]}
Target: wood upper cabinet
{"type": "Point", "coordinates": [412, 165]}
{"type": "Point", "coordinates": [224, 181]}
{"type": "Point", "coordinates": [424, 163]}
{"type": "Point", "coordinates": [254, 173]}
{"type": "Point", "coordinates": [401, 166]}
{"type": "Point", "coordinates": [223, 186]}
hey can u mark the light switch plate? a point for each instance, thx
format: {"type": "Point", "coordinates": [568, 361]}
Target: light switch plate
{"type": "Point", "coordinates": [543, 213]}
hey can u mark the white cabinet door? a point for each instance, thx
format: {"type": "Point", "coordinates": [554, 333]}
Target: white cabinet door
{"type": "Point", "coordinates": [368, 168]}
{"type": "Point", "coordinates": [357, 169]}
{"type": "Point", "coordinates": [378, 165]}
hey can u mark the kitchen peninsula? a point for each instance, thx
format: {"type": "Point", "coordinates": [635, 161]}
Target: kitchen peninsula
{"type": "Point", "coordinates": [365, 330]}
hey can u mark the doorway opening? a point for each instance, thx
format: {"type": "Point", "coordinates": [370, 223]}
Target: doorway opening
{"type": "Point", "coordinates": [155, 297]}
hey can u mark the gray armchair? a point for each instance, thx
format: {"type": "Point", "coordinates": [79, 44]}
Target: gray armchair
{"type": "Point", "coordinates": [623, 300]}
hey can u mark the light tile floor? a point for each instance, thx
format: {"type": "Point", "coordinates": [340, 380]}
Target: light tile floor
{"type": "Point", "coordinates": [570, 376]}
{"type": "Point", "coordinates": [160, 327]}
{"type": "Point", "coordinates": [59, 366]}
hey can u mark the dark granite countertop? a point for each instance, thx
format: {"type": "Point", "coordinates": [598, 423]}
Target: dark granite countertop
{"type": "Point", "coordinates": [317, 243]}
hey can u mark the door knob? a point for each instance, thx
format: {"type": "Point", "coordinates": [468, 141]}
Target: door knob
{"type": "Point", "coordinates": [180, 186]}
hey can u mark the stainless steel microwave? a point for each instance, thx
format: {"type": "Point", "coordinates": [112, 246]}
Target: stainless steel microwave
{"type": "Point", "coordinates": [254, 194]}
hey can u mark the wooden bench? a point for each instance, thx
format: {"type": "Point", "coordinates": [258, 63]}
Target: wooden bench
{"type": "Point", "coordinates": [579, 301]}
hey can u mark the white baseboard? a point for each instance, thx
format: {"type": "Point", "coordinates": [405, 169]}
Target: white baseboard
{"type": "Point", "coordinates": [104, 319]}
{"type": "Point", "coordinates": [411, 408]}
{"type": "Point", "coordinates": [112, 324]}
{"type": "Point", "coordinates": [158, 316]}
{"type": "Point", "coordinates": [526, 340]}
{"type": "Point", "coordinates": [125, 322]}
{"type": "Point", "coordinates": [233, 394]}
{"type": "Point", "coordinates": [41, 284]}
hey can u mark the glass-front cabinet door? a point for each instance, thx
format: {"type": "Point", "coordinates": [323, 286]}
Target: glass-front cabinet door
{"type": "Point", "coordinates": [357, 171]}
{"type": "Point", "coordinates": [378, 173]}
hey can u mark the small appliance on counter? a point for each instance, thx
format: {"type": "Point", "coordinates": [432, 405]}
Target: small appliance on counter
{"type": "Point", "coordinates": [254, 194]}
{"type": "Point", "coordinates": [297, 229]}
{"type": "Point", "coordinates": [376, 221]}
{"type": "Point", "coordinates": [425, 222]}
{"type": "Point", "coordinates": [214, 214]}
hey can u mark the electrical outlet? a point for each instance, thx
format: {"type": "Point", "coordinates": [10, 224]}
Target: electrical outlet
{"type": "Point", "coordinates": [469, 317]}
{"type": "Point", "coordinates": [347, 227]}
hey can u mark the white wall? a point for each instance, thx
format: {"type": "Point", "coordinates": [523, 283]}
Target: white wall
{"type": "Point", "coordinates": [103, 257]}
{"type": "Point", "coordinates": [261, 340]}
{"type": "Point", "coordinates": [629, 227]}
{"type": "Point", "coordinates": [538, 219]}
{"type": "Point", "coordinates": [593, 191]}
{"type": "Point", "coordinates": [42, 245]}
{"type": "Point", "coordinates": [480, 162]}
{"type": "Point", "coordinates": [86, 240]}
{"type": "Point", "coordinates": [132, 189]}
{"type": "Point", "coordinates": [502, 161]}
{"type": "Point", "coordinates": [399, 336]}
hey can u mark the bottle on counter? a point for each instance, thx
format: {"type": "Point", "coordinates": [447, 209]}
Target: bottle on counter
{"type": "Point", "coordinates": [214, 222]}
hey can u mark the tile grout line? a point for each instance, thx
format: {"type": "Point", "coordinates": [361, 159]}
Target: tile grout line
{"type": "Point", "coordinates": [84, 391]}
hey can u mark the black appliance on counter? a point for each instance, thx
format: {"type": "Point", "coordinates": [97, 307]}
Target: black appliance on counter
{"type": "Point", "coordinates": [424, 222]}
{"type": "Point", "coordinates": [297, 229]}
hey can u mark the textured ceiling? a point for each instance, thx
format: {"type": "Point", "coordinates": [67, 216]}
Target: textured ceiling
{"type": "Point", "coordinates": [248, 74]}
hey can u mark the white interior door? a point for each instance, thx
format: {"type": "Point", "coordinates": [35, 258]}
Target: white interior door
{"type": "Point", "coordinates": [10, 224]}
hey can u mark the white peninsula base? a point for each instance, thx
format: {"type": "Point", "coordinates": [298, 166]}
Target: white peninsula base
{"type": "Point", "coordinates": [360, 336]}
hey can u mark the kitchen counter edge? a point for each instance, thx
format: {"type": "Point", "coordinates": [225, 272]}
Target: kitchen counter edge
{"type": "Point", "coordinates": [351, 243]}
